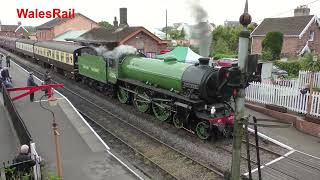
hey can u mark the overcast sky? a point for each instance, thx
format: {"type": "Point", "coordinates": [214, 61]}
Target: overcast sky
{"type": "Point", "coordinates": [151, 13]}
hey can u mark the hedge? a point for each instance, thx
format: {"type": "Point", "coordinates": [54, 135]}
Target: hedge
{"type": "Point", "coordinates": [292, 67]}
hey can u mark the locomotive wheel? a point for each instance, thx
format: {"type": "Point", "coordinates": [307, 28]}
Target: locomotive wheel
{"type": "Point", "coordinates": [161, 111]}
{"type": "Point", "coordinates": [177, 121]}
{"type": "Point", "coordinates": [141, 100]}
{"type": "Point", "coordinates": [123, 96]}
{"type": "Point", "coordinates": [202, 130]}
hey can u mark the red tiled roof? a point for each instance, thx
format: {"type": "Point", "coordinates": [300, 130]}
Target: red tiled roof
{"type": "Point", "coordinates": [9, 27]}
{"type": "Point", "coordinates": [292, 26]}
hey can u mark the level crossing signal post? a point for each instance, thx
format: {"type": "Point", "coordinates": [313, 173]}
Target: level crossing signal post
{"type": "Point", "coordinates": [239, 84]}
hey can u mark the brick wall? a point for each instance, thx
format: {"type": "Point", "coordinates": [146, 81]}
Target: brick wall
{"type": "Point", "coordinates": [77, 23]}
{"type": "Point", "coordinates": [315, 44]}
{"type": "Point", "coordinates": [44, 34]}
{"type": "Point", "coordinates": [146, 43]}
{"type": "Point", "coordinates": [18, 34]}
{"type": "Point", "coordinates": [289, 47]}
{"type": "Point", "coordinates": [256, 47]}
{"type": "Point", "coordinates": [7, 33]}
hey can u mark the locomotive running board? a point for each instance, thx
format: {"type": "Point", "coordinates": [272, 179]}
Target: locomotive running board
{"type": "Point", "coordinates": [163, 91]}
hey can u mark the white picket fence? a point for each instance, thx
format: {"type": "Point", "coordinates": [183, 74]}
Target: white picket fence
{"type": "Point", "coordinates": [286, 96]}
{"type": "Point", "coordinates": [305, 77]}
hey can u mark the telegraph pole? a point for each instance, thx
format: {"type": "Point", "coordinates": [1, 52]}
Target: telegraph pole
{"type": "Point", "coordinates": [166, 25]}
{"type": "Point", "coordinates": [245, 20]}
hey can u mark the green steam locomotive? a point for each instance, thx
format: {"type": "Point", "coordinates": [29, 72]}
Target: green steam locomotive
{"type": "Point", "coordinates": [194, 97]}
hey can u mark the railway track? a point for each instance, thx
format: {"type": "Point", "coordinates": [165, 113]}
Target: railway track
{"type": "Point", "coordinates": [154, 172]}
{"type": "Point", "coordinates": [170, 162]}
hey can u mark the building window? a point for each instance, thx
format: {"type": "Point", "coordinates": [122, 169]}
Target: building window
{"type": "Point", "coordinates": [311, 35]}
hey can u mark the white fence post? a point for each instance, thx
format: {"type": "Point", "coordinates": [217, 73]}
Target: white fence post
{"type": "Point", "coordinates": [285, 96]}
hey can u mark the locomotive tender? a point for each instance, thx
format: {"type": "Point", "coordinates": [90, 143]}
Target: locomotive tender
{"type": "Point", "coordinates": [195, 97]}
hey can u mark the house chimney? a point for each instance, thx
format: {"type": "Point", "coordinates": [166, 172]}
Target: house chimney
{"type": "Point", "coordinates": [123, 16]}
{"type": "Point", "coordinates": [302, 11]}
{"type": "Point", "coordinates": [115, 22]}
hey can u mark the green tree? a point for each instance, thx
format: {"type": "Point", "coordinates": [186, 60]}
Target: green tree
{"type": "Point", "coordinates": [105, 24]}
{"type": "Point", "coordinates": [174, 33]}
{"type": "Point", "coordinates": [221, 47]}
{"type": "Point", "coordinates": [182, 34]}
{"type": "Point", "coordinates": [308, 63]}
{"type": "Point", "coordinates": [273, 43]}
{"type": "Point", "coordinates": [229, 36]}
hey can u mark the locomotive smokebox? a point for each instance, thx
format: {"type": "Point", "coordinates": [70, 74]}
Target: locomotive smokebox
{"type": "Point", "coordinates": [204, 61]}
{"type": "Point", "coordinates": [123, 16]}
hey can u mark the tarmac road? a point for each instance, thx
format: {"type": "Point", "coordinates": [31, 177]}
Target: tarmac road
{"type": "Point", "coordinates": [290, 136]}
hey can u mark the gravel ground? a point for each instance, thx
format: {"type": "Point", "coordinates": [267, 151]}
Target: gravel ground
{"type": "Point", "coordinates": [204, 151]}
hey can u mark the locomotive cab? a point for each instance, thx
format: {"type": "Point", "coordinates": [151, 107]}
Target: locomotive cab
{"type": "Point", "coordinates": [206, 83]}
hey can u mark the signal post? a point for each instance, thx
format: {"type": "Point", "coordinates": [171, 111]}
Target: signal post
{"type": "Point", "coordinates": [245, 20]}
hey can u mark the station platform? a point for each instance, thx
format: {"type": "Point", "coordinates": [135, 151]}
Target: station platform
{"type": "Point", "coordinates": [9, 143]}
{"type": "Point", "coordinates": [84, 155]}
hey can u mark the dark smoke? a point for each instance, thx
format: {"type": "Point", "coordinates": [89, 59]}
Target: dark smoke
{"type": "Point", "coordinates": [201, 30]}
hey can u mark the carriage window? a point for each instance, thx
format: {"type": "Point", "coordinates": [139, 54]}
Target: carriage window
{"type": "Point", "coordinates": [62, 56]}
{"type": "Point", "coordinates": [67, 58]}
{"type": "Point", "coordinates": [49, 53]}
{"type": "Point", "coordinates": [57, 55]}
{"type": "Point", "coordinates": [71, 58]}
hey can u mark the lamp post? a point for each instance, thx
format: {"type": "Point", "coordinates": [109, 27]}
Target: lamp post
{"type": "Point", "coordinates": [53, 101]}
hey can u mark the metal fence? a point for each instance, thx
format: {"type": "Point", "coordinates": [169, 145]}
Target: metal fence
{"type": "Point", "coordinates": [18, 124]}
{"type": "Point", "coordinates": [10, 170]}
{"type": "Point", "coordinates": [23, 170]}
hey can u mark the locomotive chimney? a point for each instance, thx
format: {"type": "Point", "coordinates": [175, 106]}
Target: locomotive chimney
{"type": "Point", "coordinates": [204, 61]}
{"type": "Point", "coordinates": [115, 22]}
{"type": "Point", "coordinates": [123, 16]}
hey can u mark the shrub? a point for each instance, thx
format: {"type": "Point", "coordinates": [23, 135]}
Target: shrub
{"type": "Point", "coordinates": [308, 64]}
{"type": "Point", "coordinates": [292, 67]}
{"type": "Point", "coordinates": [266, 56]}
{"type": "Point", "coordinates": [273, 43]}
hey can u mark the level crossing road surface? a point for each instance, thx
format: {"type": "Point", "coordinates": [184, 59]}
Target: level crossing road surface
{"type": "Point", "coordinates": [83, 155]}
{"type": "Point", "coordinates": [302, 161]}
